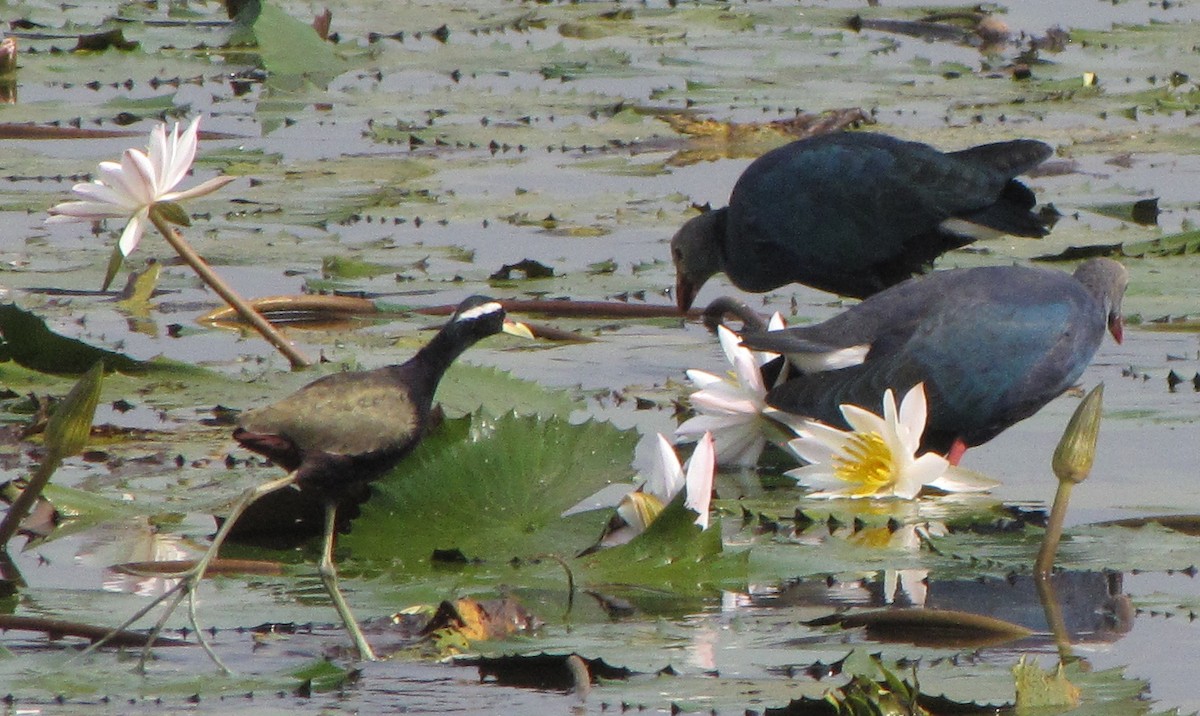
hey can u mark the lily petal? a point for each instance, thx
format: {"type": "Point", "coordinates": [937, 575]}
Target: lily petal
{"type": "Point", "coordinates": [700, 479]}
{"type": "Point", "coordinates": [133, 232]}
{"type": "Point", "coordinates": [958, 479]}
{"type": "Point", "coordinates": [205, 187]}
{"type": "Point", "coordinates": [82, 211]}
{"type": "Point", "coordinates": [862, 420]}
{"type": "Point", "coordinates": [138, 175]}
{"type": "Point", "coordinates": [667, 479]}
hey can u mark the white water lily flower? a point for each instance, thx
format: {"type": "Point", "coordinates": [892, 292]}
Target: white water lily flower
{"type": "Point", "coordinates": [877, 457]}
{"type": "Point", "coordinates": [142, 179]}
{"type": "Point", "coordinates": [734, 411]}
{"type": "Point", "coordinates": [638, 509]}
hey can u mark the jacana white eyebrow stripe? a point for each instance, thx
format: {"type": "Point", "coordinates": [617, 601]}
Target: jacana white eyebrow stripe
{"type": "Point", "coordinates": [481, 310]}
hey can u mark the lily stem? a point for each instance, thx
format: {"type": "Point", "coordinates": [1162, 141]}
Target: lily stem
{"type": "Point", "coordinates": [1045, 559]}
{"type": "Point", "coordinates": [24, 502]}
{"type": "Point", "coordinates": [244, 310]}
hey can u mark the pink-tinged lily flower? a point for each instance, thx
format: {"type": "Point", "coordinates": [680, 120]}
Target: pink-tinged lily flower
{"type": "Point", "coordinates": [129, 189]}
{"type": "Point", "coordinates": [734, 411]}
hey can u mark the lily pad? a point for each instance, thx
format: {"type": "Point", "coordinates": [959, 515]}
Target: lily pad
{"type": "Point", "coordinates": [492, 488]}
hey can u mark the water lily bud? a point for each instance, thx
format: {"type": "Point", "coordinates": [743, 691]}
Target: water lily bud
{"type": "Point", "coordinates": [1077, 449]}
{"type": "Point", "coordinates": [69, 427]}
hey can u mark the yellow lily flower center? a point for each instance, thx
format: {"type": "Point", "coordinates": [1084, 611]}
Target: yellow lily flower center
{"type": "Point", "coordinates": [866, 462]}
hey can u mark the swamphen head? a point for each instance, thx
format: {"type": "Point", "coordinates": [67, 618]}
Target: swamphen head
{"type": "Point", "coordinates": [695, 250]}
{"type": "Point", "coordinates": [1106, 280]}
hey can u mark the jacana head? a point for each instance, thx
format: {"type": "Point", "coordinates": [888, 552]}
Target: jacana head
{"type": "Point", "coordinates": [696, 252]}
{"type": "Point", "coordinates": [480, 316]}
{"type": "Point", "coordinates": [1106, 280]}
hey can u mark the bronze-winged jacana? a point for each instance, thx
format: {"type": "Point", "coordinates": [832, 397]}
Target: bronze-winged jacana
{"type": "Point", "coordinates": [341, 431]}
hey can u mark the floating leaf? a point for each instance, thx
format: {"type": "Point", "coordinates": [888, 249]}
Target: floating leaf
{"type": "Point", "coordinates": [1187, 524]}
{"type": "Point", "coordinates": [322, 676]}
{"type": "Point", "coordinates": [1038, 689]}
{"type": "Point", "coordinates": [291, 50]}
{"type": "Point", "coordinates": [348, 268]}
{"type": "Point", "coordinates": [673, 552]}
{"type": "Point", "coordinates": [1142, 211]}
{"type": "Point", "coordinates": [493, 489]}
{"type": "Point", "coordinates": [468, 388]}
{"type": "Point", "coordinates": [25, 340]}
{"type": "Point", "coordinates": [1183, 244]}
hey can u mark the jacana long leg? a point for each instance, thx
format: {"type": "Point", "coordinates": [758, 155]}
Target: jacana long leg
{"type": "Point", "coordinates": [329, 576]}
{"type": "Point", "coordinates": [189, 580]}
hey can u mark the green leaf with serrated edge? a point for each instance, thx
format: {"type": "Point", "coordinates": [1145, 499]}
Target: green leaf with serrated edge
{"type": "Point", "coordinates": [28, 342]}
{"type": "Point", "coordinates": [673, 552]}
{"type": "Point", "coordinates": [493, 488]}
{"type": "Point", "coordinates": [468, 388]}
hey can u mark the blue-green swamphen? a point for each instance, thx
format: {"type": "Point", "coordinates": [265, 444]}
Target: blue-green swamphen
{"type": "Point", "coordinates": [992, 345]}
{"type": "Point", "coordinates": [855, 212]}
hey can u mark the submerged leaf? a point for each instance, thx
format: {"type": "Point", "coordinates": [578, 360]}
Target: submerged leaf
{"type": "Point", "coordinates": [348, 268]}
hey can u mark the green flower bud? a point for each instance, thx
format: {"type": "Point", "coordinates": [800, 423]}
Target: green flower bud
{"type": "Point", "coordinates": [69, 427]}
{"type": "Point", "coordinates": [1076, 450]}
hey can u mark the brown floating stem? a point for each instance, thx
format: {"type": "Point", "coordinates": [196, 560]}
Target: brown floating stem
{"type": "Point", "coordinates": [578, 309]}
{"type": "Point", "coordinates": [248, 314]}
{"type": "Point", "coordinates": [56, 628]}
{"type": "Point", "coordinates": [178, 567]}
{"type": "Point", "coordinates": [319, 304]}
{"type": "Point", "coordinates": [354, 306]}
{"type": "Point", "coordinates": [929, 627]}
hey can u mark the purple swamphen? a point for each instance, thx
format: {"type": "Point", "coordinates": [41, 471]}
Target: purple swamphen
{"type": "Point", "coordinates": [992, 345]}
{"type": "Point", "coordinates": [855, 212]}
